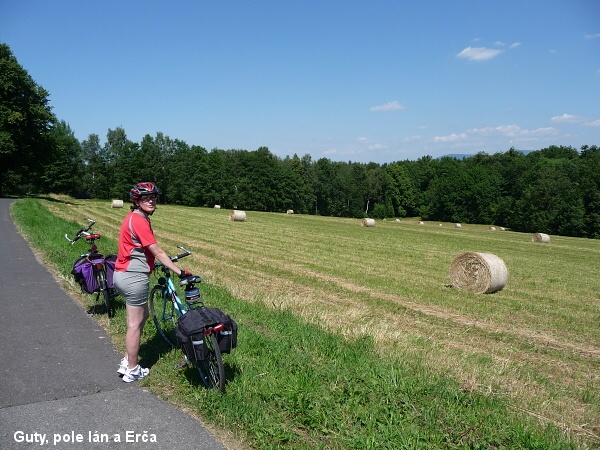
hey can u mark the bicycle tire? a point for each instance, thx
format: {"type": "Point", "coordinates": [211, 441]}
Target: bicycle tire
{"type": "Point", "coordinates": [106, 294]}
{"type": "Point", "coordinates": [211, 370]}
{"type": "Point", "coordinates": [163, 314]}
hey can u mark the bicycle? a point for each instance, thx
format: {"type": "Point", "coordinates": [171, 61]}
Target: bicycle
{"type": "Point", "coordinates": [95, 280]}
{"type": "Point", "coordinates": [166, 308]}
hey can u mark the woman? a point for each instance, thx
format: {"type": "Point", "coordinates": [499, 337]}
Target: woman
{"type": "Point", "coordinates": [138, 250]}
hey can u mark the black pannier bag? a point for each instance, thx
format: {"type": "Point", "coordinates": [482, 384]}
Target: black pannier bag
{"type": "Point", "coordinates": [190, 332]}
{"type": "Point", "coordinates": [190, 335]}
{"type": "Point", "coordinates": [227, 337]}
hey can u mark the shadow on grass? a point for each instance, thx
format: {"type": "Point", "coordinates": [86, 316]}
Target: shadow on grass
{"type": "Point", "coordinates": [99, 307]}
{"type": "Point", "coordinates": [51, 199]}
{"type": "Point", "coordinates": [153, 349]}
{"type": "Point", "coordinates": [191, 373]}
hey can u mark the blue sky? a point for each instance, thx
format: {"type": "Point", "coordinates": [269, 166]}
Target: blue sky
{"type": "Point", "coordinates": [360, 81]}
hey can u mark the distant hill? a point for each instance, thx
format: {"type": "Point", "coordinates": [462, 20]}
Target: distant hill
{"type": "Point", "coordinates": [467, 155]}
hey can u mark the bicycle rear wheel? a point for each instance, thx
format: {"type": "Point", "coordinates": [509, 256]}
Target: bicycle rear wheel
{"type": "Point", "coordinates": [163, 314]}
{"type": "Point", "coordinates": [106, 293]}
{"type": "Point", "coordinates": [211, 370]}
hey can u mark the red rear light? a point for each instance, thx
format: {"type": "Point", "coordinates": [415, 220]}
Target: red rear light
{"type": "Point", "coordinates": [98, 265]}
{"type": "Point", "coordinates": [219, 327]}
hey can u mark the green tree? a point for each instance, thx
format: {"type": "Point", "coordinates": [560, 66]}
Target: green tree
{"type": "Point", "coordinates": [63, 174]}
{"type": "Point", "coordinates": [94, 178]}
{"type": "Point", "coordinates": [324, 192]}
{"type": "Point", "coordinates": [26, 120]}
{"type": "Point", "coordinates": [401, 190]}
{"type": "Point", "coordinates": [296, 192]}
{"type": "Point", "coordinates": [259, 182]}
{"type": "Point", "coordinates": [590, 187]}
{"type": "Point", "coordinates": [553, 202]}
{"type": "Point", "coordinates": [190, 180]}
{"type": "Point", "coordinates": [120, 160]}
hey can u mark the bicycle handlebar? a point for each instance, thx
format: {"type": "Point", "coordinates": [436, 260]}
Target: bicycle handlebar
{"type": "Point", "coordinates": [185, 253]}
{"type": "Point", "coordinates": [82, 232]}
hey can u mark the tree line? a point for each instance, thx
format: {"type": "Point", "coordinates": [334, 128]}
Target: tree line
{"type": "Point", "coordinates": [555, 190]}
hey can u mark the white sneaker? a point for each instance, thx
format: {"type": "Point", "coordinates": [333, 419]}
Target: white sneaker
{"type": "Point", "coordinates": [123, 366]}
{"type": "Point", "coordinates": [137, 373]}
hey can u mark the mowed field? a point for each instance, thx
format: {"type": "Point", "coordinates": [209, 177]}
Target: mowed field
{"type": "Point", "coordinates": [535, 342]}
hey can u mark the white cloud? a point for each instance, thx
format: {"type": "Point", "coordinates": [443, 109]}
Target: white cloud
{"type": "Point", "coordinates": [511, 131]}
{"type": "Point", "coordinates": [415, 137]}
{"type": "Point", "coordinates": [390, 106]}
{"type": "Point", "coordinates": [362, 140]}
{"type": "Point", "coordinates": [479, 53]}
{"type": "Point", "coordinates": [592, 36]}
{"type": "Point", "coordinates": [567, 118]}
{"type": "Point", "coordinates": [377, 147]}
{"type": "Point", "coordinates": [484, 53]}
{"type": "Point", "coordinates": [451, 138]}
{"type": "Point", "coordinates": [593, 123]}
{"type": "Point", "coordinates": [570, 118]}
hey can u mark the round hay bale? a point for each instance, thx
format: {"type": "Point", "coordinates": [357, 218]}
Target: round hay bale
{"type": "Point", "coordinates": [217, 206]}
{"type": "Point", "coordinates": [441, 224]}
{"type": "Point", "coordinates": [116, 204]}
{"type": "Point", "coordinates": [457, 225]}
{"type": "Point", "coordinates": [290, 211]}
{"type": "Point", "coordinates": [481, 273]}
{"type": "Point", "coordinates": [492, 228]}
{"type": "Point", "coordinates": [421, 223]}
{"type": "Point", "coordinates": [540, 237]}
{"type": "Point", "coordinates": [397, 220]}
{"type": "Point", "coordinates": [502, 229]}
{"type": "Point", "coordinates": [368, 223]}
{"type": "Point", "coordinates": [237, 216]}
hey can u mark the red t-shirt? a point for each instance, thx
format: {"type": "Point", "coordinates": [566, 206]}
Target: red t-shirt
{"type": "Point", "coordinates": [134, 238]}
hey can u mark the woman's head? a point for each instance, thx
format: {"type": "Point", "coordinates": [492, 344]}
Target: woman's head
{"type": "Point", "coordinates": [143, 193]}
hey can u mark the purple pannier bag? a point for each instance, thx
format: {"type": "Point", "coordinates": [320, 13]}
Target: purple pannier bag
{"type": "Point", "coordinates": [109, 262]}
{"type": "Point", "coordinates": [83, 272]}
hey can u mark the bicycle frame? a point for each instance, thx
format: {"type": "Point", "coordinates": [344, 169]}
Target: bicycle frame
{"type": "Point", "coordinates": [166, 307]}
{"type": "Point", "coordinates": [169, 289]}
{"type": "Point", "coordinates": [170, 308]}
{"type": "Point", "coordinates": [170, 295]}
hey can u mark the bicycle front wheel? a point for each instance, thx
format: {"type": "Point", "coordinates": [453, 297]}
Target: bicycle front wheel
{"type": "Point", "coordinates": [163, 314]}
{"type": "Point", "coordinates": [211, 370]}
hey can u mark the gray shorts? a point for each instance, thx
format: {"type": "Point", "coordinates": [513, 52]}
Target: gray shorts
{"type": "Point", "coordinates": [133, 286]}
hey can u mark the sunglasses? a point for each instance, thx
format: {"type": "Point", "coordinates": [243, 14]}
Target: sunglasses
{"type": "Point", "coordinates": [148, 198]}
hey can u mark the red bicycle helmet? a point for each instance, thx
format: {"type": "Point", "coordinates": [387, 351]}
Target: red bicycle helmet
{"type": "Point", "coordinates": [144, 188]}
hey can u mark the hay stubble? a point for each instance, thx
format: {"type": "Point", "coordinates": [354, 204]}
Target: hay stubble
{"type": "Point", "coordinates": [392, 284]}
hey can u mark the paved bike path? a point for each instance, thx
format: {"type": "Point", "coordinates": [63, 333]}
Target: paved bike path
{"type": "Point", "coordinates": [58, 370]}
